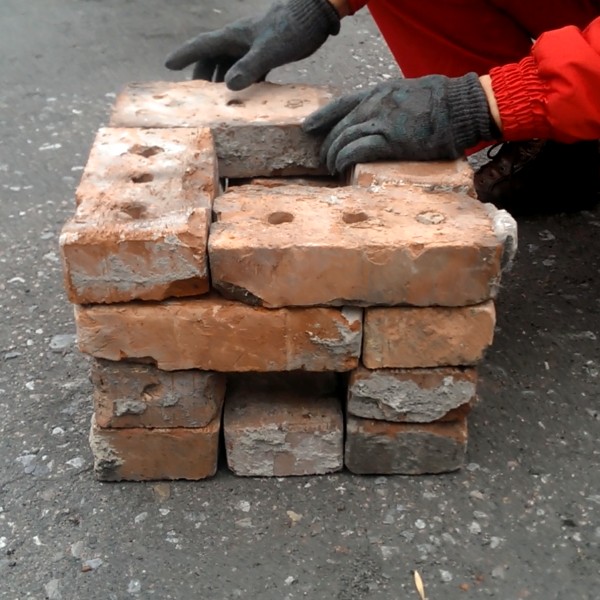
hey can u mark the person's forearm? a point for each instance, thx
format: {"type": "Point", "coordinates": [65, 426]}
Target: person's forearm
{"type": "Point", "coordinates": [342, 7]}
{"type": "Point", "coordinates": [486, 84]}
{"type": "Point", "coordinates": [554, 93]}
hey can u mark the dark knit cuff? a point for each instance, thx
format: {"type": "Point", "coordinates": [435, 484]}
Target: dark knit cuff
{"type": "Point", "coordinates": [470, 116]}
{"type": "Point", "coordinates": [317, 16]}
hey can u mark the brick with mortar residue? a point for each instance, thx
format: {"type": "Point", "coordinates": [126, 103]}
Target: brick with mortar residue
{"type": "Point", "coordinates": [384, 448]}
{"type": "Point", "coordinates": [257, 130]}
{"type": "Point", "coordinates": [142, 454]}
{"type": "Point", "coordinates": [434, 176]}
{"type": "Point", "coordinates": [407, 337]}
{"type": "Point", "coordinates": [143, 211]}
{"type": "Point", "coordinates": [283, 424]}
{"type": "Point", "coordinates": [130, 394]}
{"type": "Point", "coordinates": [214, 334]}
{"type": "Point", "coordinates": [412, 395]}
{"type": "Point", "coordinates": [305, 246]}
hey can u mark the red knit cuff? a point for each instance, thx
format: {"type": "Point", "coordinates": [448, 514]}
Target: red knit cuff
{"type": "Point", "coordinates": [520, 95]}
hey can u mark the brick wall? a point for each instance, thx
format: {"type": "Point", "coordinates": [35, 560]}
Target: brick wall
{"type": "Point", "coordinates": [223, 282]}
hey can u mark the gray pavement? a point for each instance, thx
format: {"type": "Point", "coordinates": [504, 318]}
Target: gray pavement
{"type": "Point", "coordinates": [520, 521]}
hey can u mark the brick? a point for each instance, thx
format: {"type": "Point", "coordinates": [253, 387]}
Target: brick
{"type": "Point", "coordinates": [276, 182]}
{"type": "Point", "coordinates": [213, 334]}
{"type": "Point", "coordinates": [384, 448]}
{"type": "Point", "coordinates": [431, 176]}
{"type": "Point", "coordinates": [411, 395]}
{"type": "Point", "coordinates": [304, 246]}
{"type": "Point", "coordinates": [257, 131]}
{"type": "Point", "coordinates": [138, 395]}
{"type": "Point", "coordinates": [281, 426]}
{"type": "Point", "coordinates": [406, 337]}
{"type": "Point", "coordinates": [143, 210]}
{"type": "Point", "coordinates": [140, 454]}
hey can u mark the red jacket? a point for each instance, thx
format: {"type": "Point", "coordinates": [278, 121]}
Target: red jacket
{"type": "Point", "coordinates": [554, 93]}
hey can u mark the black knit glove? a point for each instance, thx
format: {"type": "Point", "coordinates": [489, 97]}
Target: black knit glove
{"type": "Point", "coordinates": [427, 118]}
{"type": "Point", "coordinates": [245, 51]}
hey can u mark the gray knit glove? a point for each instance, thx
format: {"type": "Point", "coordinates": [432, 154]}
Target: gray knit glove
{"type": "Point", "coordinates": [427, 118]}
{"type": "Point", "coordinates": [245, 51]}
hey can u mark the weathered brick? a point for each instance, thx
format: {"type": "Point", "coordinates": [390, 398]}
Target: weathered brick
{"type": "Point", "coordinates": [431, 176]}
{"type": "Point", "coordinates": [406, 337]}
{"type": "Point", "coordinates": [381, 447]}
{"type": "Point", "coordinates": [257, 131]}
{"type": "Point", "coordinates": [141, 454]}
{"type": "Point", "coordinates": [435, 177]}
{"type": "Point", "coordinates": [303, 246]}
{"type": "Point", "coordinates": [213, 334]}
{"type": "Point", "coordinates": [283, 425]}
{"type": "Point", "coordinates": [411, 395]}
{"type": "Point", "coordinates": [143, 211]}
{"type": "Point", "coordinates": [138, 395]}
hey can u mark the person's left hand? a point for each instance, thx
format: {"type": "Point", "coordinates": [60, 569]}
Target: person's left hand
{"type": "Point", "coordinates": [427, 118]}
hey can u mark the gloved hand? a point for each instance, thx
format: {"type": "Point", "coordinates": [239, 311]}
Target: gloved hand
{"type": "Point", "coordinates": [245, 51]}
{"type": "Point", "coordinates": [427, 118]}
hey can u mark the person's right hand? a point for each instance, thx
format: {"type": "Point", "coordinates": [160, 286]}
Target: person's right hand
{"type": "Point", "coordinates": [243, 52]}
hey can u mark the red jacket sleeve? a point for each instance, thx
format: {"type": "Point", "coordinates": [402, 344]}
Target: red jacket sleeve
{"type": "Point", "coordinates": [356, 5]}
{"type": "Point", "coordinates": [554, 93]}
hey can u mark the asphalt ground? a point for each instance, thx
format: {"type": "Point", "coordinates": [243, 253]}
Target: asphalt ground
{"type": "Point", "coordinates": [521, 520]}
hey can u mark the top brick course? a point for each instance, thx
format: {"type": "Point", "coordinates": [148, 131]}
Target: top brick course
{"type": "Point", "coordinates": [434, 176]}
{"type": "Point", "coordinates": [257, 131]}
{"type": "Point", "coordinates": [143, 211]}
{"type": "Point", "coordinates": [399, 245]}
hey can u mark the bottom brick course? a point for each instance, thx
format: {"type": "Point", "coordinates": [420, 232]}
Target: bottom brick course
{"type": "Point", "coordinates": [384, 448]}
{"type": "Point", "coordinates": [281, 425]}
{"type": "Point", "coordinates": [139, 454]}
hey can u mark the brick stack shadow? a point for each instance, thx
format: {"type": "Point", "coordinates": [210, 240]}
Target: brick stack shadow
{"type": "Point", "coordinates": [221, 281]}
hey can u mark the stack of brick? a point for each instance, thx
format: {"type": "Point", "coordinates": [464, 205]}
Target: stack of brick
{"type": "Point", "coordinates": [323, 324]}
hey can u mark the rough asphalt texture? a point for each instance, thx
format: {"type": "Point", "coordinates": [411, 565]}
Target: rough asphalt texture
{"type": "Point", "coordinates": [520, 521]}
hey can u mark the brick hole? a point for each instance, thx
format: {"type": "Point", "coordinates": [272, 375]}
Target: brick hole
{"type": "Point", "coordinates": [351, 218]}
{"type": "Point", "coordinates": [150, 391]}
{"type": "Point", "coordinates": [133, 210]}
{"type": "Point", "coordinates": [146, 151]}
{"type": "Point", "coordinates": [279, 217]}
{"type": "Point", "coordinates": [143, 178]}
{"type": "Point", "coordinates": [235, 102]}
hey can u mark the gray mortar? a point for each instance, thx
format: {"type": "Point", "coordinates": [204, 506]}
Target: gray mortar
{"type": "Point", "coordinates": [126, 406]}
{"type": "Point", "coordinates": [349, 342]}
{"type": "Point", "coordinates": [106, 460]}
{"type": "Point", "coordinates": [384, 397]}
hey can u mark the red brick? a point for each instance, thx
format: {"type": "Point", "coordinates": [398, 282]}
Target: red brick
{"type": "Point", "coordinates": [278, 425]}
{"type": "Point", "coordinates": [381, 447]}
{"type": "Point", "coordinates": [405, 337]}
{"type": "Point", "coordinates": [411, 395]}
{"type": "Point", "coordinates": [257, 131]}
{"type": "Point", "coordinates": [431, 176]}
{"type": "Point", "coordinates": [137, 395]}
{"type": "Point", "coordinates": [303, 246]}
{"type": "Point", "coordinates": [141, 454]}
{"type": "Point", "coordinates": [213, 334]}
{"type": "Point", "coordinates": [143, 211]}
